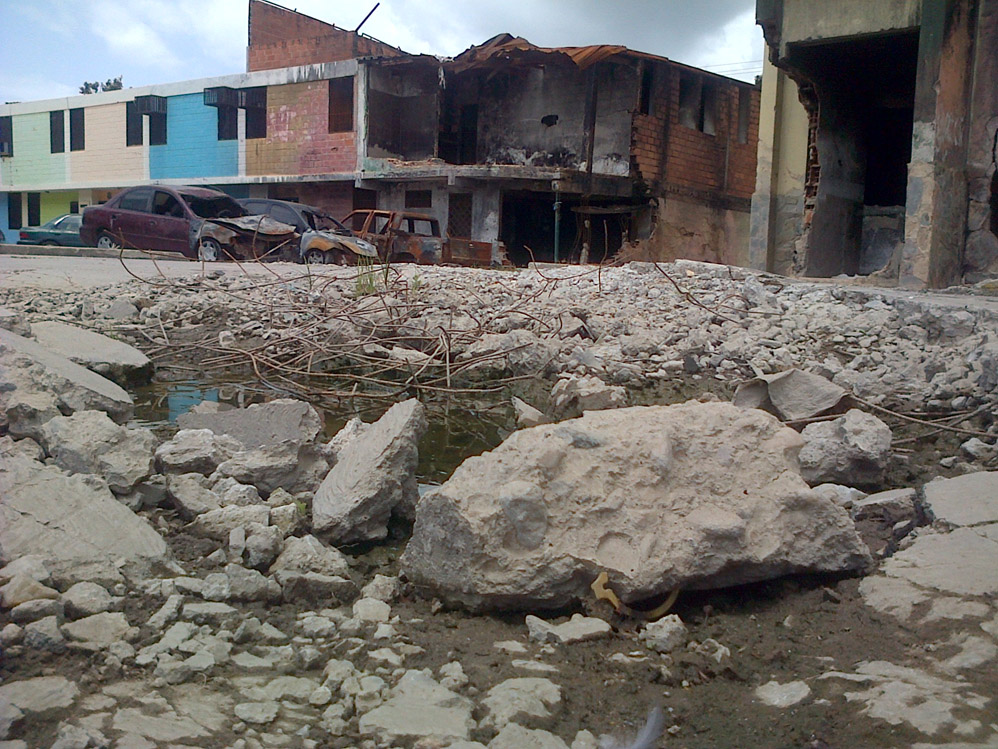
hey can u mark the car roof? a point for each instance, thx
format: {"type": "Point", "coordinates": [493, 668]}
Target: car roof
{"type": "Point", "coordinates": [289, 203]}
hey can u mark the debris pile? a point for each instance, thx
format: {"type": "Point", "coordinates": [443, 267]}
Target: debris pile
{"type": "Point", "coordinates": [237, 582]}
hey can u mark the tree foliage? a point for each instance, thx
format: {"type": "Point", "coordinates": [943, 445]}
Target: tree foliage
{"type": "Point", "coordinates": [111, 84]}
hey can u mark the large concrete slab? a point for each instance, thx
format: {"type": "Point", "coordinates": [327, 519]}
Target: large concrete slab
{"type": "Point", "coordinates": [962, 562]}
{"type": "Point", "coordinates": [28, 365]}
{"type": "Point", "coordinates": [971, 499]}
{"type": "Point", "coordinates": [73, 522]}
{"type": "Point", "coordinates": [113, 359]}
{"type": "Point", "coordinates": [260, 425]}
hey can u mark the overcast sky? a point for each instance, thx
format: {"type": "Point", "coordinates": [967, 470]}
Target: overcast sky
{"type": "Point", "coordinates": [49, 47]}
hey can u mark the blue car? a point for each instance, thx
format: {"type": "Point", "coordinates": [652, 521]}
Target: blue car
{"type": "Point", "coordinates": [63, 231]}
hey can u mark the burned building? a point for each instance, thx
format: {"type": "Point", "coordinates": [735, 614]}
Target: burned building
{"type": "Point", "coordinates": [560, 153]}
{"type": "Point", "coordinates": [878, 140]}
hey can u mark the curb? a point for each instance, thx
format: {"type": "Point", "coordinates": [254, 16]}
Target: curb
{"type": "Point", "coordinates": [37, 250]}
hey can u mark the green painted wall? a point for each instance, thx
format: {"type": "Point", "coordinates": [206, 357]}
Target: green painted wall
{"type": "Point", "coordinates": [33, 165]}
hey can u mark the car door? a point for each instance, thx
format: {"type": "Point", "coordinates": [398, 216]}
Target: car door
{"type": "Point", "coordinates": [170, 223]}
{"type": "Point", "coordinates": [130, 218]}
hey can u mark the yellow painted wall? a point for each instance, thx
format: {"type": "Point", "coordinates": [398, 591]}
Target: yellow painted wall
{"type": "Point", "coordinates": [54, 204]}
{"type": "Point", "coordinates": [106, 158]}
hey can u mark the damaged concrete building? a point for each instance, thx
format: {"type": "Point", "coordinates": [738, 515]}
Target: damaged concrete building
{"type": "Point", "coordinates": [879, 141]}
{"type": "Point", "coordinates": [564, 153]}
{"type": "Point", "coordinates": [559, 153]}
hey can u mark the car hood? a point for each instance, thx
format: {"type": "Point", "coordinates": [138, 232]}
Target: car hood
{"type": "Point", "coordinates": [260, 224]}
{"type": "Point", "coordinates": [327, 240]}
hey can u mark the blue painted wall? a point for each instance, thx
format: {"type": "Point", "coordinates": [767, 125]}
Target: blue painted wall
{"type": "Point", "coordinates": [192, 147]}
{"type": "Point", "coordinates": [6, 235]}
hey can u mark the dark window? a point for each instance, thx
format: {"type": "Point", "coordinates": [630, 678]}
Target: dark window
{"type": "Point", "coordinates": [418, 199]}
{"type": "Point", "coordinates": [689, 101]}
{"type": "Point", "coordinates": [34, 208]}
{"type": "Point", "coordinates": [74, 206]}
{"type": "Point", "coordinates": [286, 215]}
{"type": "Point", "coordinates": [228, 123]}
{"type": "Point", "coordinates": [77, 131]}
{"type": "Point", "coordinates": [133, 124]}
{"type": "Point", "coordinates": [254, 101]}
{"type": "Point", "coordinates": [256, 123]}
{"type": "Point", "coordinates": [647, 78]}
{"type": "Point", "coordinates": [697, 104]}
{"type": "Point", "coordinates": [708, 111]}
{"type": "Point", "coordinates": [14, 209]}
{"type": "Point", "coordinates": [57, 131]}
{"type": "Point", "coordinates": [136, 200]}
{"type": "Point", "coordinates": [341, 105]}
{"type": "Point", "coordinates": [157, 129]}
{"type": "Point", "coordinates": [164, 204]}
{"type": "Point", "coordinates": [7, 140]}
{"type": "Point", "coordinates": [744, 113]}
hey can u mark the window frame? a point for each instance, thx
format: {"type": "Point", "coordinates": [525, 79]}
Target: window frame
{"type": "Point", "coordinates": [78, 129]}
{"type": "Point", "coordinates": [57, 131]}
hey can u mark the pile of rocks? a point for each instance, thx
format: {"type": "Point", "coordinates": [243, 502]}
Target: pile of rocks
{"type": "Point", "coordinates": [270, 635]}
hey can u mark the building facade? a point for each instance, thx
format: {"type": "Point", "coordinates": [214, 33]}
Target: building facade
{"type": "Point", "coordinates": [565, 153]}
{"type": "Point", "coordinates": [878, 136]}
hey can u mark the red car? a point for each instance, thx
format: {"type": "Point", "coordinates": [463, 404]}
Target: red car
{"type": "Point", "coordinates": [195, 221]}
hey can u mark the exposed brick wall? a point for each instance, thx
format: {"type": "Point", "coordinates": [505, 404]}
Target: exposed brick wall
{"type": "Point", "coordinates": [690, 158]}
{"type": "Point", "coordinates": [336, 198]}
{"type": "Point", "coordinates": [281, 38]}
{"type": "Point", "coordinates": [298, 141]}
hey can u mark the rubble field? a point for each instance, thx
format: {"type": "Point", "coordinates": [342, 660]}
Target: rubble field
{"type": "Point", "coordinates": [654, 505]}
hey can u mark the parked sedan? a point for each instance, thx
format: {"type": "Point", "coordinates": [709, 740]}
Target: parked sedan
{"type": "Point", "coordinates": [195, 221]}
{"type": "Point", "coordinates": [323, 238]}
{"type": "Point", "coordinates": [63, 231]}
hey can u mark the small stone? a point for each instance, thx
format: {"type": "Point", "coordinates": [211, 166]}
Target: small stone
{"type": "Point", "coordinates": [257, 713]}
{"type": "Point", "coordinates": [783, 695]}
{"type": "Point", "coordinates": [31, 611]}
{"type": "Point", "coordinates": [371, 610]}
{"type": "Point", "coordinates": [21, 588]}
{"type": "Point", "coordinates": [577, 629]}
{"type": "Point", "coordinates": [320, 696]}
{"type": "Point", "coordinates": [665, 635]}
{"type": "Point", "coordinates": [45, 635]}
{"type": "Point", "coordinates": [86, 599]}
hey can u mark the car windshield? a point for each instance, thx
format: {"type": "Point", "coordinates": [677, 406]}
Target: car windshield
{"type": "Point", "coordinates": [70, 223]}
{"type": "Point", "coordinates": [215, 207]}
{"type": "Point", "coordinates": [325, 222]}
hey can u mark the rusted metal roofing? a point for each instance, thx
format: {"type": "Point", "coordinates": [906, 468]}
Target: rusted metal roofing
{"type": "Point", "coordinates": [509, 48]}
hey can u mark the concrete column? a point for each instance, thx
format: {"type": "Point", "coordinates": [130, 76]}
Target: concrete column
{"type": "Point", "coordinates": [936, 210]}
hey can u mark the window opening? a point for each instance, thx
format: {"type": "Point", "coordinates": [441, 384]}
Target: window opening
{"type": "Point", "coordinates": [57, 131]}
{"type": "Point", "coordinates": [77, 130]}
{"type": "Point", "coordinates": [341, 105]}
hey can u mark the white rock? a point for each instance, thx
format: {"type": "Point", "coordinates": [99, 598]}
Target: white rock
{"type": "Point", "coordinates": [577, 629]}
{"type": "Point", "coordinates": [529, 701]}
{"type": "Point", "coordinates": [665, 635]}
{"type": "Point", "coordinates": [374, 476]}
{"type": "Point", "coordinates": [854, 448]}
{"type": "Point", "coordinates": [636, 492]}
{"type": "Point", "coordinates": [419, 708]}
{"type": "Point", "coordinates": [90, 442]}
{"type": "Point", "coordinates": [371, 610]}
{"type": "Point", "coordinates": [195, 451]}
{"type": "Point", "coordinates": [783, 695]}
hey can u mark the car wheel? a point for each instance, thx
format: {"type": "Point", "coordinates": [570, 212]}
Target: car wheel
{"type": "Point", "coordinates": [209, 250]}
{"type": "Point", "coordinates": [316, 257]}
{"type": "Point", "coordinates": [49, 243]}
{"type": "Point", "coordinates": [107, 241]}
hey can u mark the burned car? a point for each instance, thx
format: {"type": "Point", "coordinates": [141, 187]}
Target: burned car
{"type": "Point", "coordinates": [323, 238]}
{"type": "Point", "coordinates": [195, 221]}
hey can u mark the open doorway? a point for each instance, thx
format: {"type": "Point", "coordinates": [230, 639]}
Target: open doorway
{"type": "Point", "coordinates": [862, 106]}
{"type": "Point", "coordinates": [589, 231]}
